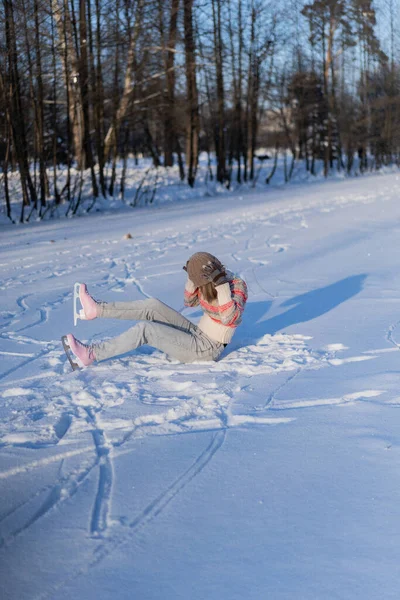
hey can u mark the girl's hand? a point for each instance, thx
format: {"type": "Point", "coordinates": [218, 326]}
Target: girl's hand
{"type": "Point", "coordinates": [190, 282]}
{"type": "Point", "coordinates": [213, 273]}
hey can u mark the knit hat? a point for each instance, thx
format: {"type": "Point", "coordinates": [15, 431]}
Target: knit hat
{"type": "Point", "coordinates": [194, 267]}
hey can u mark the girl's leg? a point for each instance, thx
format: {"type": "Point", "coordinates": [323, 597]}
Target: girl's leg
{"type": "Point", "coordinates": [150, 309]}
{"type": "Point", "coordinates": [184, 345]}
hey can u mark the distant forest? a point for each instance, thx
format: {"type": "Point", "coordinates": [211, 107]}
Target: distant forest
{"type": "Point", "coordinates": [85, 84]}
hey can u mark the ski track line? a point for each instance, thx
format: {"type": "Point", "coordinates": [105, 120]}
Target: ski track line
{"type": "Point", "coordinates": [139, 286]}
{"type": "Point", "coordinates": [18, 382]}
{"type": "Point", "coordinates": [260, 286]}
{"type": "Point", "coordinates": [269, 401]}
{"type": "Point", "coordinates": [21, 354]}
{"type": "Point", "coordinates": [20, 301]}
{"type": "Point", "coordinates": [43, 462]}
{"type": "Point", "coordinates": [14, 509]}
{"type": "Point", "coordinates": [149, 513]}
{"type": "Point", "coordinates": [46, 311]}
{"type": "Point", "coordinates": [102, 503]}
{"type": "Point", "coordinates": [177, 421]}
{"type": "Point", "coordinates": [24, 363]}
{"type": "Point", "coordinates": [24, 339]}
{"type": "Point", "coordinates": [63, 490]}
{"type": "Point", "coordinates": [389, 334]}
{"type": "Point", "coordinates": [67, 487]}
{"type": "Point", "coordinates": [44, 315]}
{"type": "Point", "coordinates": [43, 318]}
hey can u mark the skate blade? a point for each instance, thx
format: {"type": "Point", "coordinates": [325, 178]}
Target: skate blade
{"type": "Point", "coordinates": [77, 311]}
{"type": "Point", "coordinates": [68, 352]}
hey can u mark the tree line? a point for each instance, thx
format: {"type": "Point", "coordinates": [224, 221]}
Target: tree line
{"type": "Point", "coordinates": [85, 84]}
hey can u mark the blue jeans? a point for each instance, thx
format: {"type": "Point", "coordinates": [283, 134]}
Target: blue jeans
{"type": "Point", "coordinates": [159, 326]}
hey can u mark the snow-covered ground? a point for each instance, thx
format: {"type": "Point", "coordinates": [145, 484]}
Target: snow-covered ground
{"type": "Point", "coordinates": [146, 185]}
{"type": "Point", "coordinates": [271, 474]}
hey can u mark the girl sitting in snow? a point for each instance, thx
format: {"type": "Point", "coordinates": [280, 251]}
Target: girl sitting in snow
{"type": "Point", "coordinates": [221, 295]}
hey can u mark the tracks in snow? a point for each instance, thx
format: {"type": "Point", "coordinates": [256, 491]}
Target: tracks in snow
{"type": "Point", "coordinates": [63, 490]}
{"type": "Point", "coordinates": [102, 503]}
{"type": "Point", "coordinates": [120, 273]}
{"type": "Point", "coordinates": [390, 336]}
{"type": "Point", "coordinates": [67, 486]}
{"type": "Point", "coordinates": [207, 412]}
{"type": "Point", "coordinates": [147, 515]}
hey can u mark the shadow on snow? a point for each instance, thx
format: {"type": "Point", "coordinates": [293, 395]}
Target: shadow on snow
{"type": "Point", "coordinates": [302, 308]}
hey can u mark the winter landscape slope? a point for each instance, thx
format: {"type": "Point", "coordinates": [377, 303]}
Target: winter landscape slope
{"type": "Point", "coordinates": [271, 474]}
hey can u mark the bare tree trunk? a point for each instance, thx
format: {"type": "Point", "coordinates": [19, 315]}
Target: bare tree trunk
{"type": "Point", "coordinates": [69, 112]}
{"type": "Point", "coordinates": [290, 141]}
{"type": "Point", "coordinates": [57, 195]}
{"type": "Point", "coordinates": [253, 117]}
{"type": "Point", "coordinates": [32, 94]}
{"type": "Point", "coordinates": [84, 93]}
{"type": "Point", "coordinates": [16, 110]}
{"type": "Point", "coordinates": [220, 130]}
{"type": "Point", "coordinates": [99, 103]}
{"type": "Point", "coordinates": [5, 176]}
{"type": "Point", "coordinates": [206, 107]}
{"type": "Point", "coordinates": [192, 126]}
{"type": "Point", "coordinates": [124, 164]}
{"type": "Point", "coordinates": [325, 65]}
{"type": "Point", "coordinates": [125, 100]}
{"type": "Point", "coordinates": [8, 133]}
{"type": "Point", "coordinates": [275, 164]}
{"type": "Point", "coordinates": [328, 65]}
{"type": "Point", "coordinates": [40, 109]}
{"type": "Point", "coordinates": [150, 143]}
{"type": "Point", "coordinates": [252, 97]}
{"type": "Point", "coordinates": [70, 65]}
{"type": "Point", "coordinates": [237, 75]}
{"type": "Point", "coordinates": [97, 91]}
{"type": "Point", "coordinates": [170, 135]}
{"type": "Point", "coordinates": [110, 152]}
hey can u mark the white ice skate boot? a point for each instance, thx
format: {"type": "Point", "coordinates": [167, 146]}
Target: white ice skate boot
{"type": "Point", "coordinates": [89, 304]}
{"type": "Point", "coordinates": [75, 349]}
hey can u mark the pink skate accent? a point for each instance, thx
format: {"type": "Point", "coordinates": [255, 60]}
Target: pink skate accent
{"type": "Point", "coordinates": [82, 351]}
{"type": "Point", "coordinates": [89, 304]}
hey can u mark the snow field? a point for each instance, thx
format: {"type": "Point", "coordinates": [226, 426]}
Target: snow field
{"type": "Point", "coordinates": [273, 469]}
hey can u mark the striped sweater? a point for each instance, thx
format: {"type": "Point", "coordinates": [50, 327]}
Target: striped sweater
{"type": "Point", "coordinates": [220, 318]}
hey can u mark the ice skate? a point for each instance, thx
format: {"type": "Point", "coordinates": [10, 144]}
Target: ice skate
{"type": "Point", "coordinates": [83, 353]}
{"type": "Point", "coordinates": [88, 310]}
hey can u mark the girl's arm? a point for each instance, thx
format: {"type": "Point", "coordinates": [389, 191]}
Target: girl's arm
{"type": "Point", "coordinates": [232, 298]}
{"type": "Point", "coordinates": [191, 297]}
